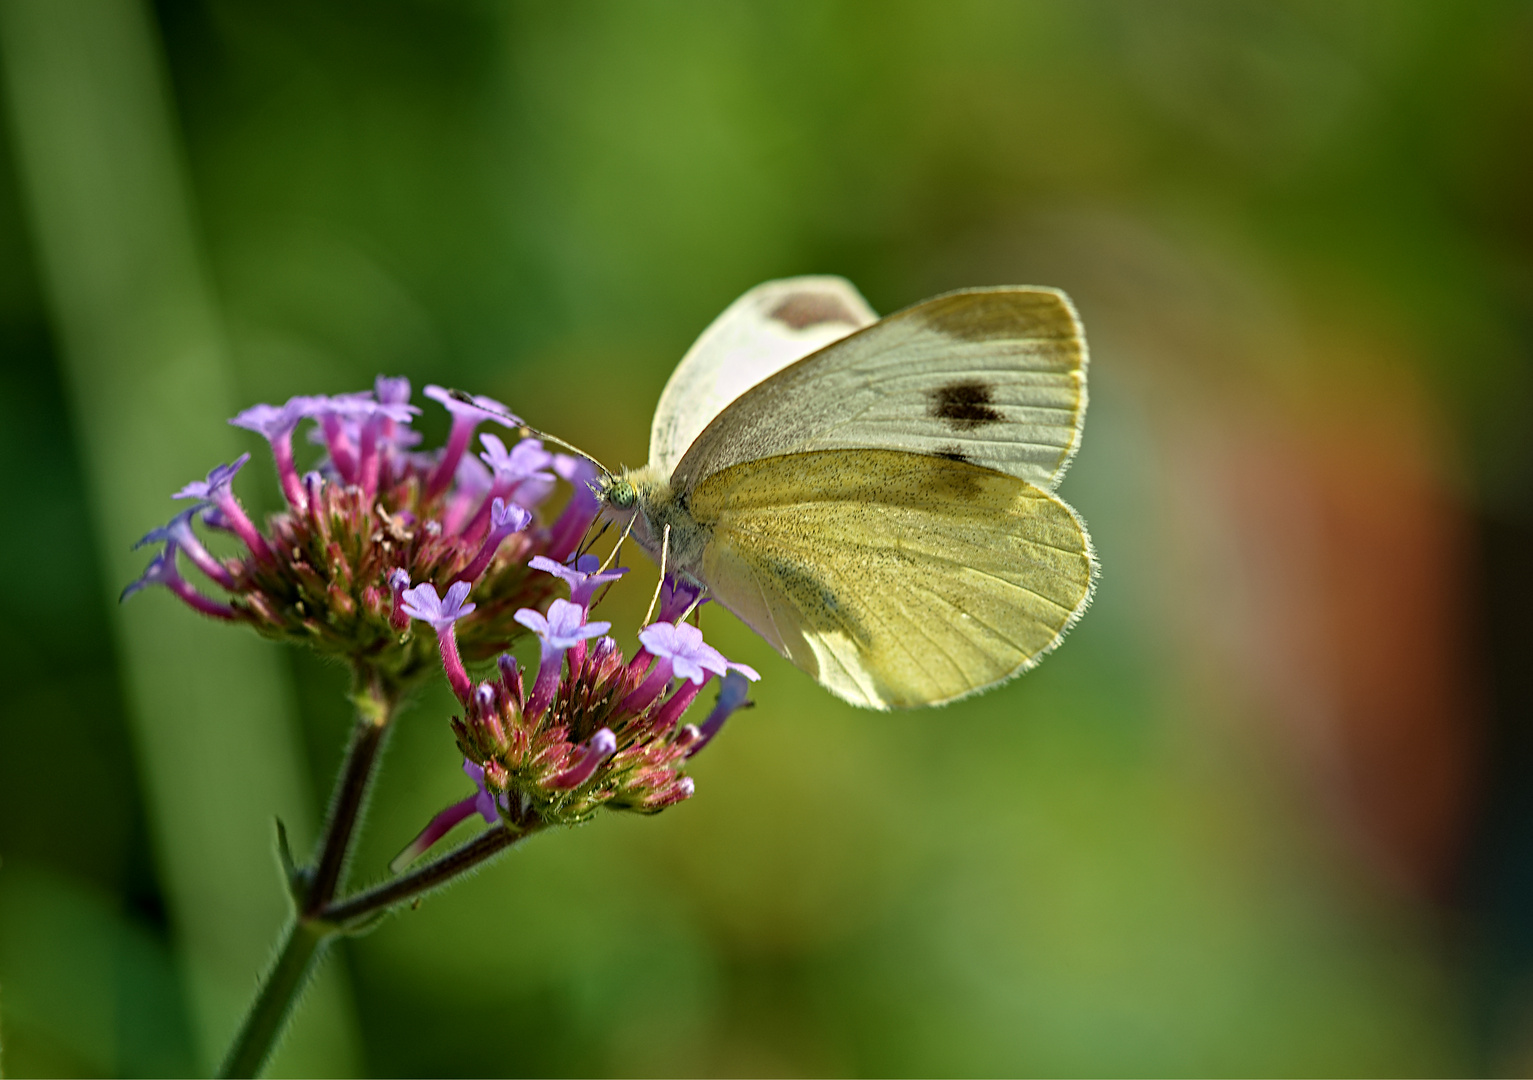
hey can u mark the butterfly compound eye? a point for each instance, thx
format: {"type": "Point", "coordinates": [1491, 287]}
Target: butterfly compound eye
{"type": "Point", "coordinates": [617, 493]}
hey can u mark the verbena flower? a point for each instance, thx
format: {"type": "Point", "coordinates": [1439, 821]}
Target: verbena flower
{"type": "Point", "coordinates": [597, 729]}
{"type": "Point", "coordinates": [323, 571]}
{"type": "Point", "coordinates": [379, 538]}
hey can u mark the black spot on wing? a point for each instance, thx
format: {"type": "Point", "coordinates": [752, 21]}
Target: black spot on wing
{"type": "Point", "coordinates": [964, 405]}
{"type": "Point", "coordinates": [802, 309]}
{"type": "Point", "coordinates": [952, 453]}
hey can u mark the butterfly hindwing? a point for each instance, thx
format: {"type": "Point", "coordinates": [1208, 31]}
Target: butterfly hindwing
{"type": "Point", "coordinates": [895, 579]}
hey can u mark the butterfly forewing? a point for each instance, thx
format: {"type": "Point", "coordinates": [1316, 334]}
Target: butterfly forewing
{"type": "Point", "coordinates": [988, 377]}
{"type": "Point", "coordinates": [770, 327]}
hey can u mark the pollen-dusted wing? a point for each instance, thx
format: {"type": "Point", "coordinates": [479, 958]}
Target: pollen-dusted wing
{"type": "Point", "coordinates": [895, 579]}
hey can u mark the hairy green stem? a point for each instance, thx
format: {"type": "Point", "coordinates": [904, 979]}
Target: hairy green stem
{"type": "Point", "coordinates": [315, 887]}
{"type": "Point", "coordinates": [438, 872]}
{"type": "Point", "coordinates": [280, 988]}
{"type": "Point", "coordinates": [375, 708]}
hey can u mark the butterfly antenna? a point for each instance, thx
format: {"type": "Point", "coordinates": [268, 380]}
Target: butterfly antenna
{"type": "Point", "coordinates": [527, 431]}
{"type": "Point", "coordinates": [613, 557]}
{"type": "Point", "coordinates": [588, 541]}
{"type": "Point", "coordinates": [523, 429]}
{"type": "Point", "coordinates": [665, 548]}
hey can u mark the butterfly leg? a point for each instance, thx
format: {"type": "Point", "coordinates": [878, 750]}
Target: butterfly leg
{"type": "Point", "coordinates": [665, 548]}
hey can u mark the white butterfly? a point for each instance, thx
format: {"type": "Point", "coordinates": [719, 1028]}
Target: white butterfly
{"type": "Point", "coordinates": [875, 496]}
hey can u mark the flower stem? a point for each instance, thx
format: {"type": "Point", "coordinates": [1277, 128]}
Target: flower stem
{"type": "Point", "coordinates": [314, 888]}
{"type": "Point", "coordinates": [438, 872]}
{"type": "Point", "coordinates": [279, 991]}
{"type": "Point", "coordinates": [374, 710]}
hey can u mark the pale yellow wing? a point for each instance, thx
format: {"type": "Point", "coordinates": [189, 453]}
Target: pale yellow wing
{"type": "Point", "coordinates": [894, 579]}
{"type": "Point", "coordinates": [761, 333]}
{"type": "Point", "coordinates": [993, 377]}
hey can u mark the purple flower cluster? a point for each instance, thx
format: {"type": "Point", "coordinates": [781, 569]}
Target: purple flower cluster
{"type": "Point", "coordinates": [375, 517]}
{"type": "Point", "coordinates": [595, 729]}
{"type": "Point", "coordinates": [380, 536]}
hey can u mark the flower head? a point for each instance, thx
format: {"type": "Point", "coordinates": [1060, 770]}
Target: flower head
{"type": "Point", "coordinates": [585, 737]}
{"type": "Point", "coordinates": [321, 572]}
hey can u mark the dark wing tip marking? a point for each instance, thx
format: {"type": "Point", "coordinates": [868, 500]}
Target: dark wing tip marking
{"type": "Point", "coordinates": [1000, 314]}
{"type": "Point", "coordinates": [965, 404]}
{"type": "Point", "coordinates": [801, 309]}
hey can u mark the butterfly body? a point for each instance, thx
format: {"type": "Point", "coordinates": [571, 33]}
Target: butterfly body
{"type": "Point", "coordinates": [658, 519]}
{"type": "Point", "coordinates": [880, 507]}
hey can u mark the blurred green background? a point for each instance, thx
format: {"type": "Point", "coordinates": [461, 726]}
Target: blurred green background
{"type": "Point", "coordinates": [1268, 811]}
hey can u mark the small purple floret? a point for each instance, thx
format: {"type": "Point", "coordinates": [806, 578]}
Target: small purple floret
{"type": "Point", "coordinates": [526, 460]}
{"type": "Point", "coordinates": [217, 483]}
{"type": "Point", "coordinates": [475, 406]}
{"type": "Point", "coordinates": [217, 490]}
{"type": "Point", "coordinates": [584, 578]}
{"type": "Point", "coordinates": [392, 391]}
{"type": "Point", "coordinates": [564, 626]}
{"type": "Point", "coordinates": [677, 597]}
{"type": "Point", "coordinates": [683, 645]}
{"type": "Point", "coordinates": [421, 603]}
{"type": "Point", "coordinates": [481, 802]}
{"type": "Point", "coordinates": [732, 693]}
{"type": "Point", "coordinates": [180, 532]}
{"type": "Point", "coordinates": [399, 581]}
{"type": "Point", "coordinates": [520, 473]}
{"type": "Point", "coordinates": [598, 749]}
{"type": "Point", "coordinates": [468, 412]}
{"type": "Point", "coordinates": [484, 802]}
{"type": "Point", "coordinates": [505, 519]}
{"type": "Point", "coordinates": [562, 629]}
{"type": "Point", "coordinates": [277, 424]}
{"type": "Point", "coordinates": [162, 570]}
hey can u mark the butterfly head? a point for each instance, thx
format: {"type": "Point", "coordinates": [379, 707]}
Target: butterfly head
{"type": "Point", "coordinates": [617, 492]}
{"type": "Point", "coordinates": [633, 489]}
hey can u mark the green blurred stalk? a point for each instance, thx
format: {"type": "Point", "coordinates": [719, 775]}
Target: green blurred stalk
{"type": "Point", "coordinates": [284, 984]}
{"type": "Point", "coordinates": [150, 385]}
